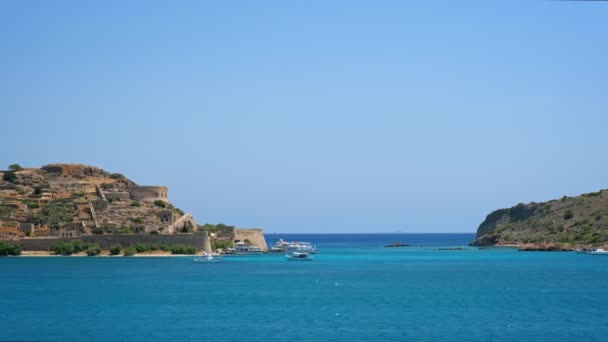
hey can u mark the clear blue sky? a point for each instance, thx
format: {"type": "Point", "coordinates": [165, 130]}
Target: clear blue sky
{"type": "Point", "coordinates": [315, 116]}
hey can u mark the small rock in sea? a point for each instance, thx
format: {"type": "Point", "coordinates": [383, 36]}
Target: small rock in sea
{"type": "Point", "coordinates": [398, 244]}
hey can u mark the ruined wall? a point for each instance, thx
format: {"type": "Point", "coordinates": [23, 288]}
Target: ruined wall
{"type": "Point", "coordinates": [117, 196]}
{"type": "Point", "coordinates": [149, 193]}
{"type": "Point", "coordinates": [199, 240]}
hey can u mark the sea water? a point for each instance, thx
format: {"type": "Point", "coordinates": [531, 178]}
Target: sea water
{"type": "Point", "coordinates": [354, 290]}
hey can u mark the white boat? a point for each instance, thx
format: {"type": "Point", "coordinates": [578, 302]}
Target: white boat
{"type": "Point", "coordinates": [242, 248]}
{"type": "Point", "coordinates": [599, 251]}
{"type": "Point", "coordinates": [207, 258]}
{"type": "Point", "coordinates": [301, 247]}
{"type": "Point", "coordinates": [279, 246]}
{"type": "Point", "coordinates": [299, 256]}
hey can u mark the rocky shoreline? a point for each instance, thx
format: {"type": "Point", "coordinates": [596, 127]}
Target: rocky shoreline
{"type": "Point", "coordinates": [547, 247]}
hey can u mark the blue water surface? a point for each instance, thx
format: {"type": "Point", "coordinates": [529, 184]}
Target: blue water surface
{"type": "Point", "coordinates": [354, 290]}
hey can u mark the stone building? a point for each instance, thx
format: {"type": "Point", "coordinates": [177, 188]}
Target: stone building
{"type": "Point", "coordinates": [149, 193]}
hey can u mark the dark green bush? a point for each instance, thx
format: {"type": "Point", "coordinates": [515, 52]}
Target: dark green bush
{"type": "Point", "coordinates": [568, 215]}
{"type": "Point", "coordinates": [223, 244]}
{"type": "Point", "coordinates": [97, 230]}
{"type": "Point", "coordinates": [129, 251]}
{"type": "Point", "coordinates": [9, 176]}
{"type": "Point", "coordinates": [182, 249]}
{"type": "Point", "coordinates": [160, 203]}
{"type": "Point", "coordinates": [115, 249]}
{"type": "Point", "coordinates": [9, 249]}
{"type": "Point", "coordinates": [93, 250]}
{"type": "Point", "coordinates": [123, 230]}
{"type": "Point", "coordinates": [71, 247]}
{"type": "Point", "coordinates": [154, 232]}
{"type": "Point", "coordinates": [135, 204]}
{"type": "Point", "coordinates": [62, 248]}
{"type": "Point", "coordinates": [37, 190]}
{"type": "Point", "coordinates": [137, 220]}
{"type": "Point", "coordinates": [141, 247]}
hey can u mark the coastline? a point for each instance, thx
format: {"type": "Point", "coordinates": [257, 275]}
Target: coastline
{"type": "Point", "coordinates": [546, 247]}
{"type": "Point", "coordinates": [160, 254]}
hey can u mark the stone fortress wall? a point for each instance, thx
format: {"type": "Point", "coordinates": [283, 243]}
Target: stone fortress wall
{"type": "Point", "coordinates": [149, 193]}
{"type": "Point", "coordinates": [199, 240]}
{"type": "Point", "coordinates": [254, 235]}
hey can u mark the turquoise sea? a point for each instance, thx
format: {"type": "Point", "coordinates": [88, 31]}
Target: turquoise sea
{"type": "Point", "coordinates": [354, 290]}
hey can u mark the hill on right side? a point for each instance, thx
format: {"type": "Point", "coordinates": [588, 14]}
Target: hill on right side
{"type": "Point", "coordinates": [567, 223]}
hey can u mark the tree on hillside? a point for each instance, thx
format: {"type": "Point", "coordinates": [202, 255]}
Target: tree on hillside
{"type": "Point", "coordinates": [15, 167]}
{"type": "Point", "coordinates": [9, 176]}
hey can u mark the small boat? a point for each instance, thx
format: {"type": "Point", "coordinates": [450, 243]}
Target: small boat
{"type": "Point", "coordinates": [306, 247]}
{"type": "Point", "coordinates": [299, 256]}
{"type": "Point", "coordinates": [207, 258]}
{"type": "Point", "coordinates": [599, 251]}
{"type": "Point", "coordinates": [241, 248]}
{"type": "Point", "coordinates": [280, 246]}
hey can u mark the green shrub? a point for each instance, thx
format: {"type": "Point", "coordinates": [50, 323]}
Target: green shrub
{"type": "Point", "coordinates": [141, 247]}
{"type": "Point", "coordinates": [129, 251]}
{"type": "Point", "coordinates": [154, 232]}
{"type": "Point", "coordinates": [9, 249]}
{"type": "Point", "coordinates": [568, 215]}
{"type": "Point", "coordinates": [97, 230]}
{"type": "Point", "coordinates": [78, 194]}
{"type": "Point", "coordinates": [37, 190]}
{"type": "Point", "coordinates": [54, 214]}
{"type": "Point", "coordinates": [115, 249]}
{"type": "Point", "coordinates": [223, 244]}
{"type": "Point", "coordinates": [93, 250]}
{"type": "Point", "coordinates": [123, 230]}
{"type": "Point", "coordinates": [79, 246]}
{"type": "Point", "coordinates": [137, 220]}
{"type": "Point", "coordinates": [182, 249]}
{"type": "Point", "coordinates": [71, 247]}
{"type": "Point", "coordinates": [62, 248]}
{"type": "Point", "coordinates": [32, 204]}
{"type": "Point", "coordinates": [9, 176]}
{"type": "Point", "coordinates": [135, 204]}
{"type": "Point", "coordinates": [15, 167]}
{"type": "Point", "coordinates": [160, 203]}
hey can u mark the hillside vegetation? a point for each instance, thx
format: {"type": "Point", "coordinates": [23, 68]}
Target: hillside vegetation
{"type": "Point", "coordinates": [569, 222]}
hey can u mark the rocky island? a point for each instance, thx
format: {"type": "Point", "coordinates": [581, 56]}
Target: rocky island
{"type": "Point", "coordinates": [558, 225]}
{"type": "Point", "coordinates": [72, 208]}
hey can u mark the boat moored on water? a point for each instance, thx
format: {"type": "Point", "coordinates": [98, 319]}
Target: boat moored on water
{"type": "Point", "coordinates": [285, 246]}
{"type": "Point", "coordinates": [279, 246]}
{"type": "Point", "coordinates": [299, 256]}
{"type": "Point", "coordinates": [241, 248]}
{"type": "Point", "coordinates": [207, 259]}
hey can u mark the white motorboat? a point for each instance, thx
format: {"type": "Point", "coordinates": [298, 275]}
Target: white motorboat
{"type": "Point", "coordinates": [299, 256]}
{"type": "Point", "coordinates": [279, 246]}
{"type": "Point", "coordinates": [306, 247]}
{"type": "Point", "coordinates": [241, 248]}
{"type": "Point", "coordinates": [207, 258]}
